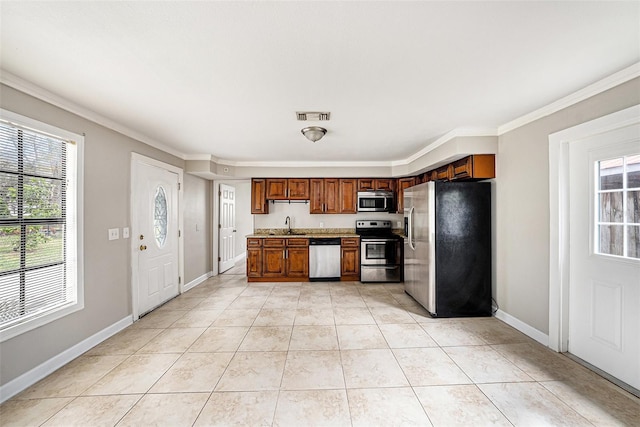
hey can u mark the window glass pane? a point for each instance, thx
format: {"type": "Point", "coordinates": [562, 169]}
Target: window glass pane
{"type": "Point", "coordinates": [611, 207]}
{"type": "Point", "coordinates": [633, 171]}
{"type": "Point", "coordinates": [633, 241]}
{"type": "Point", "coordinates": [8, 148]}
{"type": "Point", "coordinates": [8, 196]}
{"type": "Point", "coordinates": [43, 155]}
{"type": "Point", "coordinates": [611, 240]}
{"type": "Point", "coordinates": [9, 248]}
{"type": "Point", "coordinates": [160, 217]}
{"type": "Point", "coordinates": [633, 206]}
{"type": "Point", "coordinates": [9, 297]}
{"type": "Point", "coordinates": [46, 289]}
{"type": "Point", "coordinates": [611, 174]}
{"type": "Point", "coordinates": [42, 198]}
{"type": "Point", "coordinates": [45, 244]}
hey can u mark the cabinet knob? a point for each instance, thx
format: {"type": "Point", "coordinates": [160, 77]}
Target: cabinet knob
{"type": "Point", "coordinates": [143, 247]}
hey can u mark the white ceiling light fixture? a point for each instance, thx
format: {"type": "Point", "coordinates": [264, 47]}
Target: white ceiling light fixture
{"type": "Point", "coordinates": [314, 133]}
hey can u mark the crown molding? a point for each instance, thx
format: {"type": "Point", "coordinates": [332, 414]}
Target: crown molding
{"type": "Point", "coordinates": [600, 86]}
{"type": "Point", "coordinates": [36, 91]}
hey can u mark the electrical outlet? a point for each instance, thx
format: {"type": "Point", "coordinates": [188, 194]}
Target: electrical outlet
{"type": "Point", "coordinates": [399, 224]}
{"type": "Point", "coordinates": [114, 234]}
{"type": "Point", "coordinates": [125, 233]}
{"type": "Point", "coordinates": [321, 224]}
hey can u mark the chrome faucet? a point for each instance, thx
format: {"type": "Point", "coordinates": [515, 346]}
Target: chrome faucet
{"type": "Point", "coordinates": [287, 221]}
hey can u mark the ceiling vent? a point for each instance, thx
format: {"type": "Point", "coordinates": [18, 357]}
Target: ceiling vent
{"type": "Point", "coordinates": [313, 115]}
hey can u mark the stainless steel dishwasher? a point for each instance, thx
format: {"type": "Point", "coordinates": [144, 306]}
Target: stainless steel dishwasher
{"type": "Point", "coordinates": [324, 259]}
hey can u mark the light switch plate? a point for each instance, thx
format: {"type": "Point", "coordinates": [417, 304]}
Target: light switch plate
{"type": "Point", "coordinates": [114, 234]}
{"type": "Point", "coordinates": [125, 233]}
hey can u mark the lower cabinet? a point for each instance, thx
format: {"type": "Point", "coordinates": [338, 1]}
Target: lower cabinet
{"type": "Point", "coordinates": [277, 259]}
{"type": "Point", "coordinates": [350, 258]}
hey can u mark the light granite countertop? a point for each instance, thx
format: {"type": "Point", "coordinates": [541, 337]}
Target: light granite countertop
{"type": "Point", "coordinates": [314, 233]}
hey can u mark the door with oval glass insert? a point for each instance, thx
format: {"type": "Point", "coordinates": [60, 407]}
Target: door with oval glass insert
{"type": "Point", "coordinates": [157, 236]}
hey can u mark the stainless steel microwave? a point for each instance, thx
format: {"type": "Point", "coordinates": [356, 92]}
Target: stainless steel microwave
{"type": "Point", "coordinates": [376, 201]}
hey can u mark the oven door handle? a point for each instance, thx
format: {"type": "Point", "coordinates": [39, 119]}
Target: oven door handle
{"type": "Point", "coordinates": [410, 226]}
{"type": "Point", "coordinates": [386, 267]}
{"type": "Point", "coordinates": [370, 240]}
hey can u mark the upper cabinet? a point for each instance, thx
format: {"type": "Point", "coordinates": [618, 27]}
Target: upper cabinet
{"type": "Point", "coordinates": [259, 204]}
{"type": "Point", "coordinates": [287, 189]}
{"type": "Point", "coordinates": [339, 195]}
{"type": "Point", "coordinates": [403, 184]}
{"type": "Point", "coordinates": [480, 166]}
{"type": "Point", "coordinates": [332, 195]}
{"type": "Point", "coordinates": [371, 184]}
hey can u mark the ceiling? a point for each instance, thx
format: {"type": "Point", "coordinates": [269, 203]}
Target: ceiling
{"type": "Point", "coordinates": [226, 78]}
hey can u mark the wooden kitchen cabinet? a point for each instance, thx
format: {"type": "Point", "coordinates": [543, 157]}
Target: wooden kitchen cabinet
{"type": "Point", "coordinates": [259, 204]}
{"type": "Point", "coordinates": [254, 257]}
{"type": "Point", "coordinates": [371, 184]}
{"type": "Point", "coordinates": [350, 258]}
{"type": "Point", "coordinates": [479, 166]}
{"type": "Point", "coordinates": [273, 252]}
{"type": "Point", "coordinates": [287, 189]}
{"type": "Point", "coordinates": [332, 195]}
{"type": "Point", "coordinates": [348, 196]}
{"type": "Point", "coordinates": [298, 188]}
{"type": "Point", "coordinates": [403, 184]}
{"type": "Point", "coordinates": [276, 188]}
{"type": "Point", "coordinates": [297, 258]}
{"type": "Point", "coordinates": [444, 173]}
{"type": "Point", "coordinates": [277, 258]}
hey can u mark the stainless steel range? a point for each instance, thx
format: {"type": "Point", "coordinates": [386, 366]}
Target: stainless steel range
{"type": "Point", "coordinates": [380, 252]}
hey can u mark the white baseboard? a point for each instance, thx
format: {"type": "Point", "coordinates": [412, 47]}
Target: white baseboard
{"type": "Point", "coordinates": [29, 378]}
{"type": "Point", "coordinates": [195, 282]}
{"type": "Point", "coordinates": [240, 257]}
{"type": "Point", "coordinates": [530, 331]}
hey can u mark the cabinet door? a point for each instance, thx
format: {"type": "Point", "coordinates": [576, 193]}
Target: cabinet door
{"type": "Point", "coordinates": [297, 262]}
{"type": "Point", "coordinates": [348, 195]}
{"type": "Point", "coordinates": [298, 188]}
{"type": "Point", "coordinates": [403, 184]}
{"type": "Point", "coordinates": [332, 195]}
{"type": "Point", "coordinates": [366, 184]}
{"type": "Point", "coordinates": [259, 203]}
{"type": "Point", "coordinates": [350, 259]}
{"type": "Point", "coordinates": [277, 188]}
{"type": "Point", "coordinates": [316, 195]}
{"type": "Point", "coordinates": [273, 262]}
{"type": "Point", "coordinates": [254, 262]}
{"type": "Point", "coordinates": [387, 184]}
{"type": "Point", "coordinates": [444, 173]}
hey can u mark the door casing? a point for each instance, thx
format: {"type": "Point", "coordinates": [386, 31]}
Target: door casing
{"type": "Point", "coordinates": [559, 184]}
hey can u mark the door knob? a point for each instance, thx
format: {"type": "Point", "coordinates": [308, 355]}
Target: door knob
{"type": "Point", "coordinates": [143, 247]}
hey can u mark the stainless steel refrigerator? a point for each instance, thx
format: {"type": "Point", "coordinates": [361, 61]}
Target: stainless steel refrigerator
{"type": "Point", "coordinates": [447, 251]}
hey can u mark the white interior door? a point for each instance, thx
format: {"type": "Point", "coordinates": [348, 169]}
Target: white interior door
{"type": "Point", "coordinates": [156, 226]}
{"type": "Point", "coordinates": [604, 289]}
{"type": "Point", "coordinates": [227, 228]}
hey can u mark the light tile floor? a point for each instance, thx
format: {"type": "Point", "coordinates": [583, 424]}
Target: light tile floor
{"type": "Point", "coordinates": [299, 354]}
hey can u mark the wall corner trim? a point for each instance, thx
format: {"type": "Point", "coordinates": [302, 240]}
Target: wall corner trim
{"type": "Point", "coordinates": [29, 378]}
{"type": "Point", "coordinates": [195, 282]}
{"type": "Point", "coordinates": [518, 324]}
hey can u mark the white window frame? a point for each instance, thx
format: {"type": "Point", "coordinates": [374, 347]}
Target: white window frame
{"type": "Point", "coordinates": [74, 224]}
{"type": "Point", "coordinates": [596, 250]}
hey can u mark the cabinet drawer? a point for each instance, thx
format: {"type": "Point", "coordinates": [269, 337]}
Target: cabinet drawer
{"type": "Point", "coordinates": [254, 242]}
{"type": "Point", "coordinates": [350, 241]}
{"type": "Point", "coordinates": [273, 243]}
{"type": "Point", "coordinates": [298, 242]}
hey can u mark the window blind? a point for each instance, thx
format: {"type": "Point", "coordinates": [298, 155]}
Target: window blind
{"type": "Point", "coordinates": [33, 234]}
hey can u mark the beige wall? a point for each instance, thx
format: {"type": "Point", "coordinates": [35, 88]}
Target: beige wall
{"type": "Point", "coordinates": [107, 289]}
{"type": "Point", "coordinates": [522, 204]}
{"type": "Point", "coordinates": [197, 227]}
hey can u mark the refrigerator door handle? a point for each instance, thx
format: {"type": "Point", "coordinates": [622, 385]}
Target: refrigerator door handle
{"type": "Point", "coordinates": [411, 245]}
